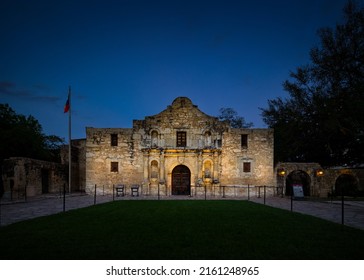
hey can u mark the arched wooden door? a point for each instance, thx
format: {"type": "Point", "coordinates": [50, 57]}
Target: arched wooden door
{"type": "Point", "coordinates": [181, 180]}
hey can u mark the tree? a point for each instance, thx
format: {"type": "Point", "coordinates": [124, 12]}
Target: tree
{"type": "Point", "coordinates": [53, 145]}
{"type": "Point", "coordinates": [231, 116]}
{"type": "Point", "coordinates": [22, 136]}
{"type": "Point", "coordinates": [322, 119]}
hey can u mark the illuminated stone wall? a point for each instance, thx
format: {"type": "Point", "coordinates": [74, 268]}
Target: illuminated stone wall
{"type": "Point", "coordinates": [100, 155]}
{"type": "Point", "coordinates": [215, 154]}
{"type": "Point", "coordinates": [258, 153]}
{"type": "Point", "coordinates": [319, 181]}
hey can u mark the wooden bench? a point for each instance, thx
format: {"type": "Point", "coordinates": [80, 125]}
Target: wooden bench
{"type": "Point", "coordinates": [120, 190]}
{"type": "Point", "coordinates": [134, 190]}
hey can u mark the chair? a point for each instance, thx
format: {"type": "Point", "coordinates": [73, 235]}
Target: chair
{"type": "Point", "coordinates": [135, 190]}
{"type": "Point", "coordinates": [120, 190]}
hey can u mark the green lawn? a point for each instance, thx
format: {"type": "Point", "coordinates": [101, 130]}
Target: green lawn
{"type": "Point", "coordinates": [180, 230]}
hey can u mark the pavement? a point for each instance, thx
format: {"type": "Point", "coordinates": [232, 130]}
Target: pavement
{"type": "Point", "coordinates": [16, 211]}
{"type": "Point", "coordinates": [327, 210]}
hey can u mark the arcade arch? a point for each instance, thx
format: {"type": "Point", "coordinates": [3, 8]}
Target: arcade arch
{"type": "Point", "coordinates": [298, 177]}
{"type": "Point", "coordinates": [347, 185]}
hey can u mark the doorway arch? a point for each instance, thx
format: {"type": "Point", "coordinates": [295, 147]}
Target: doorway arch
{"type": "Point", "coordinates": [298, 177]}
{"type": "Point", "coordinates": [346, 184]}
{"type": "Point", "coordinates": [181, 180]}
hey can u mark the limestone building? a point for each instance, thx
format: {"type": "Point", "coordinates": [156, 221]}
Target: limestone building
{"type": "Point", "coordinates": [180, 151]}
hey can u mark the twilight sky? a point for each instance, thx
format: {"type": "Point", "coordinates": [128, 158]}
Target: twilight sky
{"type": "Point", "coordinates": [128, 59]}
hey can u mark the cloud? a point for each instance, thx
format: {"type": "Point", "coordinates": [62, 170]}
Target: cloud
{"type": "Point", "coordinates": [37, 93]}
{"type": "Point", "coordinates": [6, 86]}
{"type": "Point", "coordinates": [41, 87]}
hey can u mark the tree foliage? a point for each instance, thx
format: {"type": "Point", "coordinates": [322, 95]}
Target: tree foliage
{"type": "Point", "coordinates": [23, 136]}
{"type": "Point", "coordinates": [231, 116]}
{"type": "Point", "coordinates": [322, 119]}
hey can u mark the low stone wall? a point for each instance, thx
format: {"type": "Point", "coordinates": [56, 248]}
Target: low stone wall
{"type": "Point", "coordinates": [25, 177]}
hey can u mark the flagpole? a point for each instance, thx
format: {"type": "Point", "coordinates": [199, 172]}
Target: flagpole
{"type": "Point", "coordinates": [69, 140]}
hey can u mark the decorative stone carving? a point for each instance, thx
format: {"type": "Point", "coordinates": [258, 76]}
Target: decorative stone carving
{"type": "Point", "coordinates": [210, 150]}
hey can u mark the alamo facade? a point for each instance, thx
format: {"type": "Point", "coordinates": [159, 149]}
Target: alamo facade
{"type": "Point", "coordinates": [180, 151]}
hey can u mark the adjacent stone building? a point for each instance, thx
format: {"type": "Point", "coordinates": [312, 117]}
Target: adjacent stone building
{"type": "Point", "coordinates": [25, 177]}
{"type": "Point", "coordinates": [180, 151]}
{"type": "Point", "coordinates": [317, 181]}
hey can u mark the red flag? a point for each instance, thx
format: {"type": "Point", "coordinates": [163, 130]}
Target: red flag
{"type": "Point", "coordinates": [67, 105]}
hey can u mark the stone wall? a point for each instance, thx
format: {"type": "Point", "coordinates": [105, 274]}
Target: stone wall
{"type": "Point", "coordinates": [258, 153]}
{"type": "Point", "coordinates": [100, 155]}
{"type": "Point", "coordinates": [24, 177]}
{"type": "Point", "coordinates": [78, 172]}
{"type": "Point", "coordinates": [314, 183]}
{"type": "Point", "coordinates": [331, 175]}
{"type": "Point", "coordinates": [322, 182]}
{"type": "Point", "coordinates": [148, 153]}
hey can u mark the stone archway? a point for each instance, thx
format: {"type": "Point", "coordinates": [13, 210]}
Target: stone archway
{"type": "Point", "coordinates": [181, 180]}
{"type": "Point", "coordinates": [346, 184]}
{"type": "Point", "coordinates": [298, 177]}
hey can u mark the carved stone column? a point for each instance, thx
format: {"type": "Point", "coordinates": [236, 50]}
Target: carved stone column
{"type": "Point", "coordinates": [199, 164]}
{"type": "Point", "coordinates": [161, 167]}
{"type": "Point", "coordinates": [216, 166]}
{"type": "Point", "coordinates": [146, 169]}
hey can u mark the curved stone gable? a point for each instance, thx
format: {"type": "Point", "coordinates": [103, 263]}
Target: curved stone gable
{"type": "Point", "coordinates": [181, 114]}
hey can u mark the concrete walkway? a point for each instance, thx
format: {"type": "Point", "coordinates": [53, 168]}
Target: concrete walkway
{"type": "Point", "coordinates": [15, 211]}
{"type": "Point", "coordinates": [11, 212]}
{"type": "Point", "coordinates": [332, 211]}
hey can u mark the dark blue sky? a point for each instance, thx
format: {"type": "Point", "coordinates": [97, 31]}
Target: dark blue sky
{"type": "Point", "coordinates": [128, 59]}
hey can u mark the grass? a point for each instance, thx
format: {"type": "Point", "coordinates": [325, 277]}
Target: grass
{"type": "Point", "coordinates": [180, 230]}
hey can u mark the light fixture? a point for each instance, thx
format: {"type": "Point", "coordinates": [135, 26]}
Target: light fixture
{"type": "Point", "coordinates": [281, 172]}
{"type": "Point", "coordinates": [319, 172]}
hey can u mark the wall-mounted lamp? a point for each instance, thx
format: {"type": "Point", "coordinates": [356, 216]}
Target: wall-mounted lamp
{"type": "Point", "coordinates": [319, 172]}
{"type": "Point", "coordinates": [281, 172]}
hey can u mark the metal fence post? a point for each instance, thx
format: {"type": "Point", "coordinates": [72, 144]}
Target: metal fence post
{"type": "Point", "coordinates": [113, 192]}
{"type": "Point", "coordinates": [248, 192]}
{"type": "Point", "coordinates": [64, 197]}
{"type": "Point", "coordinates": [95, 195]}
{"type": "Point", "coordinates": [342, 205]}
{"type": "Point", "coordinates": [292, 198]}
{"type": "Point", "coordinates": [264, 193]}
{"type": "Point", "coordinates": [158, 192]}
